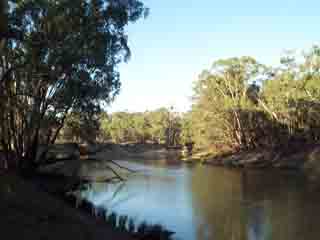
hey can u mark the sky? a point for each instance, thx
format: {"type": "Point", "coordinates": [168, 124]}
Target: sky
{"type": "Point", "coordinates": [179, 39]}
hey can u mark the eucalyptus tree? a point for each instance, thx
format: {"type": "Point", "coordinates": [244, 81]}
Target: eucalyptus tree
{"type": "Point", "coordinates": [165, 126]}
{"type": "Point", "coordinates": [78, 128]}
{"type": "Point", "coordinates": [141, 127]}
{"type": "Point", "coordinates": [162, 126]}
{"type": "Point", "coordinates": [3, 19]}
{"type": "Point", "coordinates": [66, 60]}
{"type": "Point", "coordinates": [159, 120]}
{"type": "Point", "coordinates": [294, 94]}
{"type": "Point", "coordinates": [221, 94]}
{"type": "Point", "coordinates": [239, 102]}
{"type": "Point", "coordinates": [186, 134]}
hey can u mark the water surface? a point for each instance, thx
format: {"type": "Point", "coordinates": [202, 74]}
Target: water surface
{"type": "Point", "coordinates": [205, 202]}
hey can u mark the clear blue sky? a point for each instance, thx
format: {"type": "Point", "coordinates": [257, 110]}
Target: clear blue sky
{"type": "Point", "coordinates": [180, 38]}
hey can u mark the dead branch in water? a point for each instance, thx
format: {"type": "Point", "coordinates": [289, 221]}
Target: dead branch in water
{"type": "Point", "coordinates": [115, 173]}
{"type": "Point", "coordinates": [122, 167]}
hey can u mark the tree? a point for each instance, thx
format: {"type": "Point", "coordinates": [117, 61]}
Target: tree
{"type": "Point", "coordinates": [293, 93]}
{"type": "Point", "coordinates": [244, 104]}
{"type": "Point", "coordinates": [160, 126]}
{"type": "Point", "coordinates": [66, 60]}
{"type": "Point", "coordinates": [220, 96]}
{"type": "Point", "coordinates": [186, 128]}
{"type": "Point", "coordinates": [141, 127]}
{"type": "Point", "coordinates": [80, 128]}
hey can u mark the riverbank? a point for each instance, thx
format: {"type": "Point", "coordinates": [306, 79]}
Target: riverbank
{"type": "Point", "coordinates": [29, 213]}
{"type": "Point", "coordinates": [39, 208]}
{"type": "Point", "coordinates": [136, 151]}
{"type": "Point", "coordinates": [294, 157]}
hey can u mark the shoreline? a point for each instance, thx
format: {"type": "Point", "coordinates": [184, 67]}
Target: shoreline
{"type": "Point", "coordinates": [291, 156]}
{"type": "Point", "coordinates": [304, 159]}
{"type": "Point", "coordinates": [39, 215]}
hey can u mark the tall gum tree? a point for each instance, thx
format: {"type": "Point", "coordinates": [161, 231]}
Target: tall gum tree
{"type": "Point", "coordinates": [66, 60]}
{"type": "Point", "coordinates": [221, 94]}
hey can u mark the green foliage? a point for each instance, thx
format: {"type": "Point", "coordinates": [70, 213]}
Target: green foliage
{"type": "Point", "coordinates": [220, 95]}
{"type": "Point", "coordinates": [161, 126]}
{"type": "Point", "coordinates": [80, 127]}
{"type": "Point", "coordinates": [64, 60]}
{"type": "Point", "coordinates": [243, 104]}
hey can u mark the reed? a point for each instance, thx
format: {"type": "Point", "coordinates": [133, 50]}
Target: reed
{"type": "Point", "coordinates": [142, 231]}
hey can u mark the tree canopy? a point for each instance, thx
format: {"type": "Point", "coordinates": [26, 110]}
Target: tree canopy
{"type": "Point", "coordinates": [241, 103]}
{"type": "Point", "coordinates": [161, 126]}
{"type": "Point", "coordinates": [65, 60]}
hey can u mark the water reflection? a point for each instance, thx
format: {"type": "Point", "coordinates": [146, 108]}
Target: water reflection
{"type": "Point", "coordinates": [215, 203]}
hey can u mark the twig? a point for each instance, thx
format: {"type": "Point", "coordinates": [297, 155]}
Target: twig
{"type": "Point", "coordinates": [122, 167]}
{"type": "Point", "coordinates": [115, 173]}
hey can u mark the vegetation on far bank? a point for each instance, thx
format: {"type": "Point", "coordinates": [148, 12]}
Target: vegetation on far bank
{"type": "Point", "coordinates": [56, 80]}
{"type": "Point", "coordinates": [243, 104]}
{"type": "Point", "coordinates": [239, 104]}
{"type": "Point", "coordinates": [58, 74]}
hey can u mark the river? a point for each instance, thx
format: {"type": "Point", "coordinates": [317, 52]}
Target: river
{"type": "Point", "coordinates": [212, 203]}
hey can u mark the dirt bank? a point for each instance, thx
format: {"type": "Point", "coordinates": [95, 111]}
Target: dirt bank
{"type": "Point", "coordinates": [28, 213]}
{"type": "Point", "coordinates": [135, 151]}
{"type": "Point", "coordinates": [302, 157]}
{"type": "Point", "coordinates": [94, 162]}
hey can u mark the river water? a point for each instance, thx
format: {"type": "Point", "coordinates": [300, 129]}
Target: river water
{"type": "Point", "coordinates": [211, 203]}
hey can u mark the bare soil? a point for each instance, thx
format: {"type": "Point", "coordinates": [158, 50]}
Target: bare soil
{"type": "Point", "coordinates": [28, 213]}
